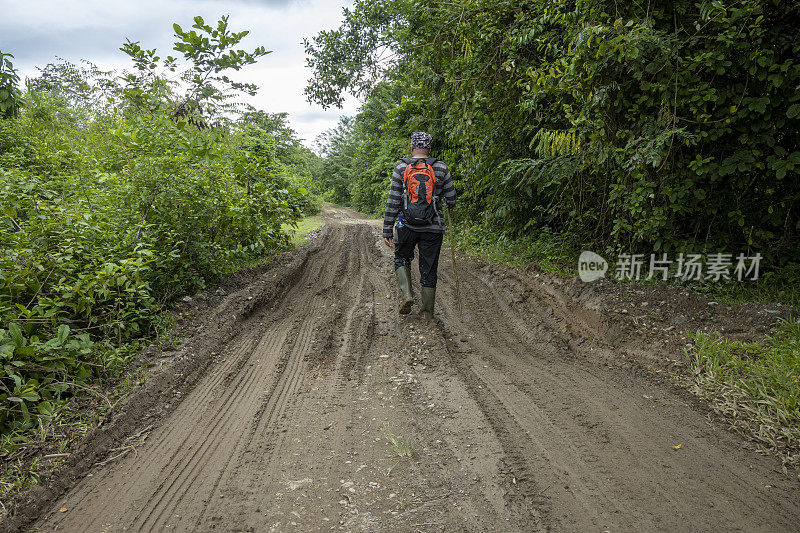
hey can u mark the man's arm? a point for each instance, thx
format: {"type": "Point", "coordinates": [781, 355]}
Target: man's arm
{"type": "Point", "coordinates": [393, 202]}
{"type": "Point", "coordinates": [448, 189]}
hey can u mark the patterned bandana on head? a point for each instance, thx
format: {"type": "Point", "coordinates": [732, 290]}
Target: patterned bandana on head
{"type": "Point", "coordinates": [421, 140]}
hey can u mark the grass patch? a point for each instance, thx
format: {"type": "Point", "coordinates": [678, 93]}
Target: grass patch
{"type": "Point", "coordinates": [780, 286]}
{"type": "Point", "coordinates": [297, 235]}
{"type": "Point", "coordinates": [400, 445]}
{"type": "Point", "coordinates": [550, 251]}
{"type": "Point", "coordinates": [755, 385]}
{"type": "Point", "coordinates": [777, 286]}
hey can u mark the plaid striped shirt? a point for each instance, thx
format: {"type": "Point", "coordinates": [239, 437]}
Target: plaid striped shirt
{"type": "Point", "coordinates": [394, 204]}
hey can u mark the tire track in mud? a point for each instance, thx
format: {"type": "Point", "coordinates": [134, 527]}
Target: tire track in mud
{"type": "Point", "coordinates": [306, 325]}
{"type": "Point", "coordinates": [222, 433]}
{"type": "Point", "coordinates": [213, 429]}
{"type": "Point", "coordinates": [525, 452]}
{"type": "Point", "coordinates": [196, 405]}
{"type": "Point", "coordinates": [246, 393]}
{"type": "Point", "coordinates": [326, 366]}
{"type": "Point", "coordinates": [273, 407]}
{"type": "Point", "coordinates": [291, 408]}
{"type": "Point", "coordinates": [526, 499]}
{"type": "Point", "coordinates": [243, 385]}
{"type": "Point", "coordinates": [218, 433]}
{"type": "Point", "coordinates": [228, 370]}
{"type": "Point", "coordinates": [526, 440]}
{"type": "Point", "coordinates": [563, 422]}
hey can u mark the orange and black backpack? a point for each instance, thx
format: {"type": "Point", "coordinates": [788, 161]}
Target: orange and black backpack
{"type": "Point", "coordinates": [419, 187]}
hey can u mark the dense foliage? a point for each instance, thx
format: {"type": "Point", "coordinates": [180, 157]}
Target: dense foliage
{"type": "Point", "coordinates": [118, 198]}
{"type": "Point", "coordinates": [652, 126]}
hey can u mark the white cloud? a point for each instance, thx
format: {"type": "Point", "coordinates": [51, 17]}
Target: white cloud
{"type": "Point", "coordinates": [36, 31]}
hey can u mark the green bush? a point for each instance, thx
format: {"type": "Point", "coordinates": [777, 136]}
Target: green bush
{"type": "Point", "coordinates": [98, 236]}
{"type": "Point", "coordinates": [113, 206]}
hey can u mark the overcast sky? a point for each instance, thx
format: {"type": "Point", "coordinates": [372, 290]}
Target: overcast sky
{"type": "Point", "coordinates": [36, 31]}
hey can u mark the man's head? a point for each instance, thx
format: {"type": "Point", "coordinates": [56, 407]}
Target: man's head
{"type": "Point", "coordinates": [421, 142]}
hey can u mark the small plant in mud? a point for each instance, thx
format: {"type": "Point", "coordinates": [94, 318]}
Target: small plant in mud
{"type": "Point", "coordinates": [756, 385]}
{"type": "Point", "coordinates": [404, 499]}
{"type": "Point", "coordinates": [400, 445]}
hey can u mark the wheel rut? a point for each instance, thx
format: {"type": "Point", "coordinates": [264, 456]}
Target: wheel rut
{"type": "Point", "coordinates": [323, 410]}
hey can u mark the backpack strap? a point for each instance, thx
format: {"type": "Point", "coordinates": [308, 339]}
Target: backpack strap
{"type": "Point", "coordinates": [407, 161]}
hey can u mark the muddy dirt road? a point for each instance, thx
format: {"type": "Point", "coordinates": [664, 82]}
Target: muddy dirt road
{"type": "Point", "coordinates": [298, 405]}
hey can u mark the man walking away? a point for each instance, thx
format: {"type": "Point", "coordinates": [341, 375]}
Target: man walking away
{"type": "Point", "coordinates": [420, 184]}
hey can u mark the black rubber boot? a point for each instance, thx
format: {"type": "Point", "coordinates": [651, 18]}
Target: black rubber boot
{"type": "Point", "coordinates": [403, 275]}
{"type": "Point", "coordinates": [428, 298]}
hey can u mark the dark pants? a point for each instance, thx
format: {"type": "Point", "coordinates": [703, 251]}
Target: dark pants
{"type": "Point", "coordinates": [429, 246]}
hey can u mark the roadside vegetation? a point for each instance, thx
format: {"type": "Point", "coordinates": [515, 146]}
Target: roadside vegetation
{"type": "Point", "coordinates": [614, 127]}
{"type": "Point", "coordinates": [121, 193]}
{"type": "Point", "coordinates": [756, 385]}
{"type": "Point", "coordinates": [620, 128]}
{"type": "Point", "coordinates": [552, 253]}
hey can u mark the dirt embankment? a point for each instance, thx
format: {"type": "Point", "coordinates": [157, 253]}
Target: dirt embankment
{"type": "Point", "coordinates": [303, 403]}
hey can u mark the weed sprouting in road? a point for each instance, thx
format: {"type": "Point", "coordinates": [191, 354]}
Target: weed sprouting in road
{"type": "Point", "coordinates": [401, 446]}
